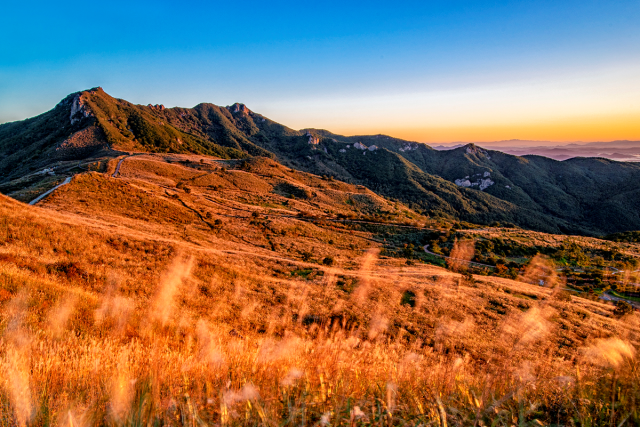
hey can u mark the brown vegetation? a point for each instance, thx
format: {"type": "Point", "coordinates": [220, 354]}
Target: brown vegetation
{"type": "Point", "coordinates": [122, 302]}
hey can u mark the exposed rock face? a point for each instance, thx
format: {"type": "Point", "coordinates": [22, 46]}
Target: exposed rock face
{"type": "Point", "coordinates": [408, 147]}
{"type": "Point", "coordinates": [158, 107]}
{"type": "Point", "coordinates": [485, 183]}
{"type": "Point", "coordinates": [373, 148]}
{"type": "Point", "coordinates": [472, 149]}
{"type": "Point", "coordinates": [342, 150]}
{"type": "Point", "coordinates": [239, 108]}
{"type": "Point", "coordinates": [462, 182]}
{"type": "Point", "coordinates": [482, 183]}
{"type": "Point", "coordinates": [359, 146]}
{"type": "Point", "coordinates": [78, 110]}
{"type": "Point", "coordinates": [314, 140]}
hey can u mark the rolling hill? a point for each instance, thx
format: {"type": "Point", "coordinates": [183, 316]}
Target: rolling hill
{"type": "Point", "coordinates": [583, 196]}
{"type": "Point", "coordinates": [157, 286]}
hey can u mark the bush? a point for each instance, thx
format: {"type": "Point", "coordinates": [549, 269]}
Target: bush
{"type": "Point", "coordinates": [408, 298]}
{"type": "Point", "coordinates": [622, 308]}
{"type": "Point", "coordinates": [328, 260]}
{"type": "Point", "coordinates": [562, 296]}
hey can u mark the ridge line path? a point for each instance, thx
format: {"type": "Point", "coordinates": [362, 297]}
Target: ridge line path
{"type": "Point", "coordinates": [46, 193]}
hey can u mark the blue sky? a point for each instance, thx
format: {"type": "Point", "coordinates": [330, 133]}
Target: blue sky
{"type": "Point", "coordinates": [429, 71]}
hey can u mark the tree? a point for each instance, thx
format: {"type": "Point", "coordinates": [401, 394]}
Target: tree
{"type": "Point", "coordinates": [407, 250]}
{"type": "Point", "coordinates": [435, 248]}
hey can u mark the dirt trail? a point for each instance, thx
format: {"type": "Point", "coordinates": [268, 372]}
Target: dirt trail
{"type": "Point", "coordinates": [46, 193]}
{"type": "Point", "coordinates": [606, 296]}
{"type": "Point", "coordinates": [115, 174]}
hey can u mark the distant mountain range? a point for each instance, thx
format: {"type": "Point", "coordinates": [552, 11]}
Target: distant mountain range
{"type": "Point", "coordinates": [468, 183]}
{"type": "Point", "coordinates": [623, 151]}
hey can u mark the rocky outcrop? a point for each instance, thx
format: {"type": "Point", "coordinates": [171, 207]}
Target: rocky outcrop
{"type": "Point", "coordinates": [359, 146]}
{"type": "Point", "coordinates": [158, 107]}
{"type": "Point", "coordinates": [79, 110]}
{"type": "Point", "coordinates": [485, 183]}
{"type": "Point", "coordinates": [473, 149]}
{"type": "Point", "coordinates": [239, 108]}
{"type": "Point", "coordinates": [314, 140]}
{"type": "Point", "coordinates": [482, 182]}
{"type": "Point", "coordinates": [372, 148]}
{"type": "Point", "coordinates": [408, 147]}
{"type": "Point", "coordinates": [462, 182]}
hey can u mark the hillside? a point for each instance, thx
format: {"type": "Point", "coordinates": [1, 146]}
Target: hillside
{"type": "Point", "coordinates": [584, 196]}
{"type": "Point", "coordinates": [181, 289]}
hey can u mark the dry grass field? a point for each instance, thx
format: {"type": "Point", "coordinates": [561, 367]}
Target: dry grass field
{"type": "Point", "coordinates": [194, 291]}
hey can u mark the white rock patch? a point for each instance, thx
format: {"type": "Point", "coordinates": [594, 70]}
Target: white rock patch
{"type": "Point", "coordinates": [481, 183]}
{"type": "Point", "coordinates": [78, 107]}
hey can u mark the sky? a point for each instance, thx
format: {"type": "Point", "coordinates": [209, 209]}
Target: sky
{"type": "Point", "coordinates": [428, 71]}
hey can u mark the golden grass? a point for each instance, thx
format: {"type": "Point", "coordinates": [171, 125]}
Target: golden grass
{"type": "Point", "coordinates": [109, 316]}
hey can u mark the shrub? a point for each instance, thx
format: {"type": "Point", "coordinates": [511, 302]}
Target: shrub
{"type": "Point", "coordinates": [328, 260]}
{"type": "Point", "coordinates": [622, 308]}
{"type": "Point", "coordinates": [408, 298]}
{"type": "Point", "coordinates": [562, 296]}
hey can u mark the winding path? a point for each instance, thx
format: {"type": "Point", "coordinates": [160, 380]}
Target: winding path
{"type": "Point", "coordinates": [45, 194]}
{"type": "Point", "coordinates": [606, 296]}
{"type": "Point", "coordinates": [115, 174]}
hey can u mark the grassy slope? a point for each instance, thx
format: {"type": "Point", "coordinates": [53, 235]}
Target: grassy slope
{"type": "Point", "coordinates": [579, 195]}
{"type": "Point", "coordinates": [592, 196]}
{"type": "Point", "coordinates": [30, 144]}
{"type": "Point", "coordinates": [121, 280]}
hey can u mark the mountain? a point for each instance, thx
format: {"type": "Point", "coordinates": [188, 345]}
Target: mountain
{"type": "Point", "coordinates": [468, 183]}
{"type": "Point", "coordinates": [628, 151]}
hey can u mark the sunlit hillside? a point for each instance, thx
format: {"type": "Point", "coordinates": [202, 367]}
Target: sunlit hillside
{"type": "Point", "coordinates": [166, 289]}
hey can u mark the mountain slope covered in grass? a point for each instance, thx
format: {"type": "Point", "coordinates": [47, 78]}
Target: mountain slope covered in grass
{"type": "Point", "coordinates": [189, 290]}
{"type": "Point", "coordinates": [587, 196]}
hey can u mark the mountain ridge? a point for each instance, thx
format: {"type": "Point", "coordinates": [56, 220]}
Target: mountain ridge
{"type": "Point", "coordinates": [469, 183]}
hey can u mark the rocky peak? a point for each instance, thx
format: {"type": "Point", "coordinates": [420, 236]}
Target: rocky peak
{"type": "Point", "coordinates": [158, 107]}
{"type": "Point", "coordinates": [239, 108]}
{"type": "Point", "coordinates": [474, 149]}
{"type": "Point", "coordinates": [314, 140]}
